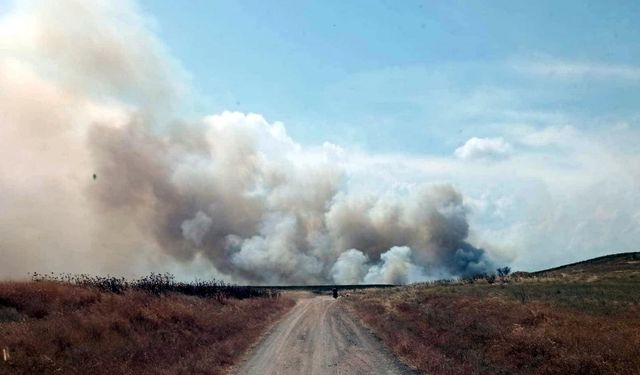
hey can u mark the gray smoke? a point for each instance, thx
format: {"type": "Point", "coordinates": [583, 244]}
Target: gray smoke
{"type": "Point", "coordinates": [230, 195]}
{"type": "Point", "coordinates": [257, 215]}
{"type": "Point", "coordinates": [195, 229]}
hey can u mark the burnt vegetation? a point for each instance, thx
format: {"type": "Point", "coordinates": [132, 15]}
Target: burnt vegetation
{"type": "Point", "coordinates": [80, 324]}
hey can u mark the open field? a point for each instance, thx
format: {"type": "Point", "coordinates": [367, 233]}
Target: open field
{"type": "Point", "coordinates": [54, 327]}
{"type": "Point", "coordinates": [582, 319]}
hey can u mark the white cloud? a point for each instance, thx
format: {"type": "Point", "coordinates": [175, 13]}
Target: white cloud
{"type": "Point", "coordinates": [551, 135]}
{"type": "Point", "coordinates": [483, 149]}
{"type": "Point", "coordinates": [566, 69]}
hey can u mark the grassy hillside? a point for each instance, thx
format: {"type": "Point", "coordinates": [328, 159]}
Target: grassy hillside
{"type": "Point", "coordinates": [581, 319]}
{"type": "Point", "coordinates": [613, 265]}
{"type": "Point", "coordinates": [57, 327]}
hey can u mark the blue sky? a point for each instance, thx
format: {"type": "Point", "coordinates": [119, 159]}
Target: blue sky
{"type": "Point", "coordinates": [410, 76]}
{"type": "Point", "coordinates": [557, 81]}
{"type": "Point", "coordinates": [528, 110]}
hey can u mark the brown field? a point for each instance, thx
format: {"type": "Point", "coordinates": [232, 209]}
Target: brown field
{"type": "Point", "coordinates": [583, 319]}
{"type": "Point", "coordinates": [53, 327]}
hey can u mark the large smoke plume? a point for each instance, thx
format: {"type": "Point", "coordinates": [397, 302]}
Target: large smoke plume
{"type": "Point", "coordinates": [230, 195]}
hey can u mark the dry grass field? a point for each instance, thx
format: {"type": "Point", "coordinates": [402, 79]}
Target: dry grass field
{"type": "Point", "coordinates": [580, 319]}
{"type": "Point", "coordinates": [55, 327]}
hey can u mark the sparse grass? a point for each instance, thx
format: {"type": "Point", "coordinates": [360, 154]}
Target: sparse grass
{"type": "Point", "coordinates": [574, 323]}
{"type": "Point", "coordinates": [593, 297]}
{"type": "Point", "coordinates": [56, 327]}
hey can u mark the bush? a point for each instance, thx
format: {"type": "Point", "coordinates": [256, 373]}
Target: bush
{"type": "Point", "coordinates": [520, 293]}
{"type": "Point", "coordinates": [157, 283]}
{"type": "Point", "coordinates": [9, 314]}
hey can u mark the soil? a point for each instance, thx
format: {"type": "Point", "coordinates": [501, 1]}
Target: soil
{"type": "Point", "coordinates": [319, 336]}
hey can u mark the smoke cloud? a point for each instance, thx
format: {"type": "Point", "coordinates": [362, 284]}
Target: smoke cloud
{"type": "Point", "coordinates": [350, 267]}
{"type": "Point", "coordinates": [230, 195]}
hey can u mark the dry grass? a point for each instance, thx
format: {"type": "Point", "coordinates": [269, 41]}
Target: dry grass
{"type": "Point", "coordinates": [50, 327]}
{"type": "Point", "coordinates": [531, 327]}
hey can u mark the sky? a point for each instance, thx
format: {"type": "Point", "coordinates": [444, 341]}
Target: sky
{"type": "Point", "coordinates": [293, 141]}
{"type": "Point", "coordinates": [411, 76]}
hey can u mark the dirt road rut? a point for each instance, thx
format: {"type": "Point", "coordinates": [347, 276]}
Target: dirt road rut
{"type": "Point", "coordinates": [320, 337]}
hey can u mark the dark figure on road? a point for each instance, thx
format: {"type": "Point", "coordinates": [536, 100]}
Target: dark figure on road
{"type": "Point", "coordinates": [335, 292]}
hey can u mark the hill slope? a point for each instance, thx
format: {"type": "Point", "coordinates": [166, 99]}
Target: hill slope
{"type": "Point", "coordinates": [579, 318]}
{"type": "Point", "coordinates": [620, 262]}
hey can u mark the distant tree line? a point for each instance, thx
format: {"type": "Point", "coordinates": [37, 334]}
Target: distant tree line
{"type": "Point", "coordinates": [158, 284]}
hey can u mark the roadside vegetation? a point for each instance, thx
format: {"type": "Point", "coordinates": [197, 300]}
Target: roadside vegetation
{"type": "Point", "coordinates": [95, 325]}
{"type": "Point", "coordinates": [582, 319]}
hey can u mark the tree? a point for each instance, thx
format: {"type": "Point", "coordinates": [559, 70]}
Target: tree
{"type": "Point", "coordinates": [504, 271]}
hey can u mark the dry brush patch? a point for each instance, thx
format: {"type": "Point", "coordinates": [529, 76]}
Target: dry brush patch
{"type": "Point", "coordinates": [450, 330]}
{"type": "Point", "coordinates": [49, 327]}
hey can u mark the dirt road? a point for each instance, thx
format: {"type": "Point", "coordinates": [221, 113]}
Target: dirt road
{"type": "Point", "coordinates": [320, 337]}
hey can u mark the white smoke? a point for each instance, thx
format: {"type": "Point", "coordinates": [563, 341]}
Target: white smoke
{"type": "Point", "coordinates": [350, 267]}
{"type": "Point", "coordinates": [396, 268]}
{"type": "Point", "coordinates": [86, 89]}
